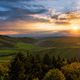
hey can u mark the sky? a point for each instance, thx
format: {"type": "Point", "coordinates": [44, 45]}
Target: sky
{"type": "Point", "coordinates": [40, 17]}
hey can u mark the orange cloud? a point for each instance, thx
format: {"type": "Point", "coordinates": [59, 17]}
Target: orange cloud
{"type": "Point", "coordinates": [8, 32]}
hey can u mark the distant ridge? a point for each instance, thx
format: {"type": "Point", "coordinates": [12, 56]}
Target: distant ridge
{"type": "Point", "coordinates": [9, 42]}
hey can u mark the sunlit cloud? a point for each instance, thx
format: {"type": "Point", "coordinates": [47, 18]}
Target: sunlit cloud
{"type": "Point", "coordinates": [8, 33]}
{"type": "Point", "coordinates": [39, 17]}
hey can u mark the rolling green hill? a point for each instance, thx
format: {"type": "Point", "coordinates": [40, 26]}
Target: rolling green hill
{"type": "Point", "coordinates": [67, 47]}
{"type": "Point", "coordinates": [64, 46]}
{"type": "Point", "coordinates": [60, 42]}
{"type": "Point", "coordinates": [10, 42]}
{"type": "Point", "coordinates": [9, 46]}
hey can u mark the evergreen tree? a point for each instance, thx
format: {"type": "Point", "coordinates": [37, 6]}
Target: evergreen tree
{"type": "Point", "coordinates": [54, 61]}
{"type": "Point", "coordinates": [16, 69]}
{"type": "Point", "coordinates": [28, 66]}
{"type": "Point", "coordinates": [46, 59]}
{"type": "Point", "coordinates": [33, 67]}
{"type": "Point", "coordinates": [37, 67]}
{"type": "Point", "coordinates": [46, 64]}
{"type": "Point", "coordinates": [60, 62]}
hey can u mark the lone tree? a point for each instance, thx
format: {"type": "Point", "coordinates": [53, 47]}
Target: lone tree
{"type": "Point", "coordinates": [16, 69]}
{"type": "Point", "coordinates": [54, 74]}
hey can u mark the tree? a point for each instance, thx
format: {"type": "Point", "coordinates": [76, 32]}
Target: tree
{"type": "Point", "coordinates": [46, 59]}
{"type": "Point", "coordinates": [16, 69]}
{"type": "Point", "coordinates": [54, 74]}
{"type": "Point", "coordinates": [72, 71]}
{"type": "Point", "coordinates": [46, 64]}
{"type": "Point", "coordinates": [60, 62]}
{"type": "Point", "coordinates": [73, 59]}
{"type": "Point", "coordinates": [37, 67]}
{"type": "Point", "coordinates": [33, 67]}
{"type": "Point", "coordinates": [35, 79]}
{"type": "Point", "coordinates": [3, 71]}
{"type": "Point", "coordinates": [54, 61]}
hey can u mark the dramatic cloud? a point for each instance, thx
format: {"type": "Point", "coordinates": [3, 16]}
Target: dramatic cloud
{"type": "Point", "coordinates": [38, 16]}
{"type": "Point", "coordinates": [19, 9]}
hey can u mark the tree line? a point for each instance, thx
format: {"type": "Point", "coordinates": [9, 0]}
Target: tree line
{"type": "Point", "coordinates": [35, 67]}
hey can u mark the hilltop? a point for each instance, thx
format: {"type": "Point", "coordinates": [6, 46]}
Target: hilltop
{"type": "Point", "coordinates": [10, 42]}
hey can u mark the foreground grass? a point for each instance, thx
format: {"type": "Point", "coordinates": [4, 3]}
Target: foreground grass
{"type": "Point", "coordinates": [6, 55]}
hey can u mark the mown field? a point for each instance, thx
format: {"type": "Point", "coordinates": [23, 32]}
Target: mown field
{"type": "Point", "coordinates": [67, 47]}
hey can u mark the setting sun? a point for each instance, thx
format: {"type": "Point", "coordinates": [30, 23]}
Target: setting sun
{"type": "Point", "coordinates": [76, 28]}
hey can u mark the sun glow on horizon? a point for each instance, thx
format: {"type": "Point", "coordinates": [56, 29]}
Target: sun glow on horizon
{"type": "Point", "coordinates": [75, 28]}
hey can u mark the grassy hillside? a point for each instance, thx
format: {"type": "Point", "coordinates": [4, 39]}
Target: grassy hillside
{"type": "Point", "coordinates": [10, 42]}
{"type": "Point", "coordinates": [64, 46]}
{"type": "Point", "coordinates": [67, 47]}
{"type": "Point", "coordinates": [60, 42]}
{"type": "Point", "coordinates": [9, 46]}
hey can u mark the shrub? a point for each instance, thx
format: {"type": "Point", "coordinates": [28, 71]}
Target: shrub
{"type": "Point", "coordinates": [72, 71]}
{"type": "Point", "coordinates": [54, 74]}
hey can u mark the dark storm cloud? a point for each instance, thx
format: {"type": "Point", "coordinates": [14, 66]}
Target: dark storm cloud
{"type": "Point", "coordinates": [12, 9]}
{"type": "Point", "coordinates": [15, 0]}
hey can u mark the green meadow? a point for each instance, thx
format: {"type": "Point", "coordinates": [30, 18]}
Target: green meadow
{"type": "Point", "coordinates": [67, 47]}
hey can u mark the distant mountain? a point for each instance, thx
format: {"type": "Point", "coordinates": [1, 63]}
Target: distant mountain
{"type": "Point", "coordinates": [49, 41]}
{"type": "Point", "coordinates": [62, 33]}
